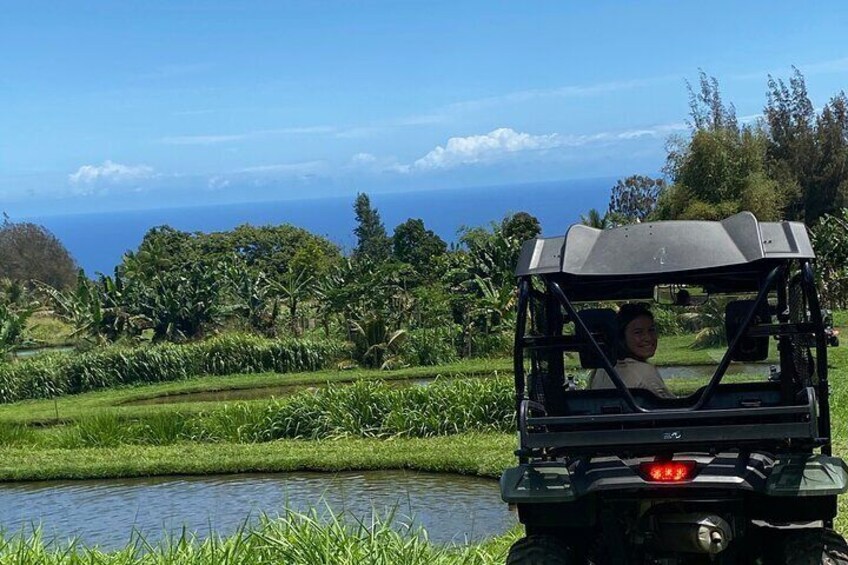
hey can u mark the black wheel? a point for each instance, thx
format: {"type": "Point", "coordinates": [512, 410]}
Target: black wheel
{"type": "Point", "coordinates": [817, 546]}
{"type": "Point", "coordinates": [539, 550]}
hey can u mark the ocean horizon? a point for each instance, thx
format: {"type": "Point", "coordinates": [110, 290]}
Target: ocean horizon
{"type": "Point", "coordinates": [99, 240]}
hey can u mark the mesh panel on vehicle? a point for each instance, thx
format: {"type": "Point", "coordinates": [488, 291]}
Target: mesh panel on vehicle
{"type": "Point", "coordinates": [802, 357]}
{"type": "Point", "coordinates": [537, 322]}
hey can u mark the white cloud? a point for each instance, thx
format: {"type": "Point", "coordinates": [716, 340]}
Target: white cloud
{"type": "Point", "coordinates": [218, 183]}
{"type": "Point", "coordinates": [363, 159]}
{"type": "Point", "coordinates": [201, 139]}
{"type": "Point", "coordinates": [483, 148]}
{"type": "Point", "coordinates": [226, 138]}
{"type": "Point", "coordinates": [109, 172]}
{"type": "Point", "coordinates": [294, 169]}
{"type": "Point", "coordinates": [505, 143]}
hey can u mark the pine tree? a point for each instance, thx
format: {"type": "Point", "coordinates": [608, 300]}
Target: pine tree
{"type": "Point", "coordinates": [372, 241]}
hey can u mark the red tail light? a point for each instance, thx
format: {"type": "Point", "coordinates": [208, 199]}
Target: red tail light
{"type": "Point", "coordinates": [668, 471]}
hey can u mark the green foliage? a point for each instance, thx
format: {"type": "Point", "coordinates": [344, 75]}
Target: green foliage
{"type": "Point", "coordinates": [414, 244]}
{"type": "Point", "coordinates": [313, 537]}
{"type": "Point", "coordinates": [375, 344]}
{"type": "Point", "coordinates": [366, 408]}
{"type": "Point", "coordinates": [372, 242]}
{"type": "Point", "coordinates": [51, 375]}
{"type": "Point", "coordinates": [633, 199]}
{"type": "Point", "coordinates": [30, 252]}
{"type": "Point", "coordinates": [718, 173]}
{"type": "Point", "coordinates": [594, 219]}
{"type": "Point", "coordinates": [432, 346]}
{"type": "Point", "coordinates": [708, 322]}
{"type": "Point", "coordinates": [808, 152]}
{"type": "Point", "coordinates": [830, 241]}
{"type": "Point", "coordinates": [181, 304]}
{"type": "Point", "coordinates": [372, 409]}
{"type": "Point", "coordinates": [13, 325]}
{"type": "Point", "coordinates": [667, 320]}
{"type": "Point", "coordinates": [520, 227]}
{"type": "Point", "coordinates": [251, 298]}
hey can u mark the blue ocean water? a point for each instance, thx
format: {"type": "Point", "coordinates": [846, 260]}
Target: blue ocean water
{"type": "Point", "coordinates": [98, 241]}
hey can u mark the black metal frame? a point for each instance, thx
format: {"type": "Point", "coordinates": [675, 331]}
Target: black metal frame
{"type": "Point", "coordinates": [804, 423]}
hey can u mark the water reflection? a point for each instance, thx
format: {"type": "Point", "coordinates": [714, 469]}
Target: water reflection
{"type": "Point", "coordinates": [707, 371]}
{"type": "Point", "coordinates": [452, 508]}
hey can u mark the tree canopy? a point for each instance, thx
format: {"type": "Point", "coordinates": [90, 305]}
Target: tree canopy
{"type": "Point", "coordinates": [30, 252]}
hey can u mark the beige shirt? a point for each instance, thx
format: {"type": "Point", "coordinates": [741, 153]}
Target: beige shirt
{"type": "Point", "coordinates": [635, 374]}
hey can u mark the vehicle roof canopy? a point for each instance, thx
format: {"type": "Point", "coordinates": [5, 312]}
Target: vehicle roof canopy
{"type": "Point", "coordinates": [731, 255]}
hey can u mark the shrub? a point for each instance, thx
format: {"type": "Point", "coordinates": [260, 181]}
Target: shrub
{"type": "Point", "coordinates": [53, 375]}
{"type": "Point", "coordinates": [431, 346]}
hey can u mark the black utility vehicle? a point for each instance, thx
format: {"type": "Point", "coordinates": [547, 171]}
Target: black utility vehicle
{"type": "Point", "coordinates": [739, 470]}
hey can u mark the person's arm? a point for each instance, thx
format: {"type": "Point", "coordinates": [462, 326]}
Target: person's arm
{"type": "Point", "coordinates": [651, 380]}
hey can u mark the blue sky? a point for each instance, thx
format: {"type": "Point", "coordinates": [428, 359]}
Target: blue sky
{"type": "Point", "coordinates": [120, 105]}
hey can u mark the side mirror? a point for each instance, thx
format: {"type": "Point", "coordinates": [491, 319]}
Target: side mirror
{"type": "Point", "coordinates": [680, 295]}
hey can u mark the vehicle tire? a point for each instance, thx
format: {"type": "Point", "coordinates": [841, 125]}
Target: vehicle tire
{"type": "Point", "coordinates": [539, 550]}
{"type": "Point", "coordinates": [819, 546]}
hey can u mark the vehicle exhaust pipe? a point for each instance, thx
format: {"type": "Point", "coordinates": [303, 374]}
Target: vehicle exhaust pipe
{"type": "Point", "coordinates": [692, 533]}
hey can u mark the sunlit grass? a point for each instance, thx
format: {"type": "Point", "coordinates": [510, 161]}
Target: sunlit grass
{"type": "Point", "coordinates": [310, 538]}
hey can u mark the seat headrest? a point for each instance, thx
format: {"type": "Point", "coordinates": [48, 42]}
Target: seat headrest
{"type": "Point", "coordinates": [749, 348]}
{"type": "Point", "coordinates": [603, 324]}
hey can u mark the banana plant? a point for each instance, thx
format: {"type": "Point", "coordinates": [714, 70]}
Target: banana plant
{"type": "Point", "coordinates": [375, 344]}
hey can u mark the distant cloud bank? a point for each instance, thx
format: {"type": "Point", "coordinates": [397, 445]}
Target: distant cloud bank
{"type": "Point", "coordinates": [483, 148]}
{"type": "Point", "coordinates": [109, 172]}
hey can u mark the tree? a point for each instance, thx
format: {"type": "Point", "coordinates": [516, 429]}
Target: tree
{"type": "Point", "coordinates": [830, 192]}
{"type": "Point", "coordinates": [791, 153]}
{"type": "Point", "coordinates": [721, 169]}
{"type": "Point", "coordinates": [521, 226]}
{"type": "Point", "coordinates": [371, 237]}
{"type": "Point", "coordinates": [30, 252]}
{"type": "Point", "coordinates": [417, 246]}
{"type": "Point", "coordinates": [830, 240]}
{"type": "Point", "coordinates": [633, 199]}
{"type": "Point", "coordinates": [594, 219]}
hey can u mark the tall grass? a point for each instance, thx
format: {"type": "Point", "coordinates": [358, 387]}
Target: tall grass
{"type": "Point", "coordinates": [362, 409]}
{"type": "Point", "coordinates": [295, 539]}
{"type": "Point", "coordinates": [53, 375]}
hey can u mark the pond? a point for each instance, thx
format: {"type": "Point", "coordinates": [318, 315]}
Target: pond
{"type": "Point", "coordinates": [452, 508]}
{"type": "Point", "coordinates": [706, 371]}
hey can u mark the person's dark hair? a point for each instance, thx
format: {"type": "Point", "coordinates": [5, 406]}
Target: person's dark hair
{"type": "Point", "coordinates": [626, 314]}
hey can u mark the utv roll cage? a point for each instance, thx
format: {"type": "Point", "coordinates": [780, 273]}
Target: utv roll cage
{"type": "Point", "coordinates": [770, 263]}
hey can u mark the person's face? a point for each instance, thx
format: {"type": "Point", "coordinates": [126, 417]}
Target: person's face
{"type": "Point", "coordinates": [640, 336]}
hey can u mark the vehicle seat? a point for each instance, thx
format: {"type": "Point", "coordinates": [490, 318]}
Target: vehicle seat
{"type": "Point", "coordinates": [602, 323]}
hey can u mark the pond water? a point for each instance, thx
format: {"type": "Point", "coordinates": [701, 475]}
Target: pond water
{"type": "Point", "coordinates": [24, 353]}
{"type": "Point", "coordinates": [452, 508]}
{"type": "Point", "coordinates": [706, 371]}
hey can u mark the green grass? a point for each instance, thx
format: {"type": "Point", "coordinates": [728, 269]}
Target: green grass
{"type": "Point", "coordinates": [48, 330]}
{"type": "Point", "coordinates": [296, 539]}
{"type": "Point", "coordinates": [472, 454]}
{"type": "Point", "coordinates": [70, 408]}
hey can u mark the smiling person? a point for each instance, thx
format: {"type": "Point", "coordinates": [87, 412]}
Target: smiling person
{"type": "Point", "coordinates": [637, 337]}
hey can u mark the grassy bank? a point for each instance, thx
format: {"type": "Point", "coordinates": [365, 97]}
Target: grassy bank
{"type": "Point", "coordinates": [296, 539]}
{"type": "Point", "coordinates": [119, 400]}
{"type": "Point", "coordinates": [472, 454]}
